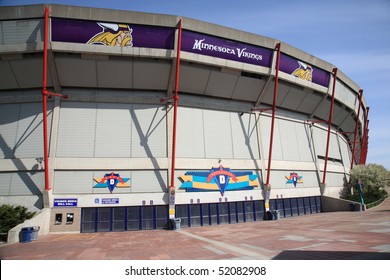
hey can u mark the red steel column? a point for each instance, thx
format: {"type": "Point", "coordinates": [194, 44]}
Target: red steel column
{"type": "Point", "coordinates": [329, 124]}
{"type": "Point", "coordinates": [175, 104]}
{"type": "Point", "coordinates": [365, 139]}
{"type": "Point", "coordinates": [44, 100]}
{"type": "Point", "coordinates": [356, 129]}
{"type": "Point", "coordinates": [273, 113]}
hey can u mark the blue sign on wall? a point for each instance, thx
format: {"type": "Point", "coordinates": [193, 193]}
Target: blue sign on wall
{"type": "Point", "coordinates": [65, 202]}
{"type": "Point", "coordinates": [110, 200]}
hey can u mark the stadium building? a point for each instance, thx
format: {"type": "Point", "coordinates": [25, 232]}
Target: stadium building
{"type": "Point", "coordinates": [115, 121]}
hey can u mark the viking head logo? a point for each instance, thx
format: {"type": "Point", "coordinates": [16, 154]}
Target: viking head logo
{"type": "Point", "coordinates": [113, 35]}
{"type": "Point", "coordinates": [304, 72]}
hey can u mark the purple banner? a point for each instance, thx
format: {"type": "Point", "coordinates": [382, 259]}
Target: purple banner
{"type": "Point", "coordinates": [304, 71]}
{"type": "Point", "coordinates": [218, 47]}
{"type": "Point", "coordinates": [112, 34]}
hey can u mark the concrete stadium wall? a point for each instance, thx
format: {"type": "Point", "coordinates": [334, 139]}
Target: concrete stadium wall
{"type": "Point", "coordinates": [114, 121]}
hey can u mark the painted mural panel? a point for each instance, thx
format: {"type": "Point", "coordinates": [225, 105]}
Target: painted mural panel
{"type": "Point", "coordinates": [220, 179]}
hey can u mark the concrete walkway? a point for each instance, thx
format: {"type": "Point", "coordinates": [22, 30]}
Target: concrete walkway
{"type": "Point", "coordinates": [337, 235]}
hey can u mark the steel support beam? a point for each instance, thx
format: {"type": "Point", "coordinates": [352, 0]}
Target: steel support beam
{"type": "Point", "coordinates": [329, 125]}
{"type": "Point", "coordinates": [356, 129]}
{"type": "Point", "coordinates": [271, 140]}
{"type": "Point", "coordinates": [175, 98]}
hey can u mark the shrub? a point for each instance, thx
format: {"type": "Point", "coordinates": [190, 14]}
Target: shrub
{"type": "Point", "coordinates": [12, 215]}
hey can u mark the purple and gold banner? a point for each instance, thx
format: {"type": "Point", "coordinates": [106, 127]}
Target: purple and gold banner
{"type": "Point", "coordinates": [199, 43]}
{"type": "Point", "coordinates": [304, 71]}
{"type": "Point", "coordinates": [111, 34]}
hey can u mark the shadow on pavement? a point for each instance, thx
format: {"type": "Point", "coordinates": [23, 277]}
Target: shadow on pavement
{"type": "Point", "coordinates": [331, 255]}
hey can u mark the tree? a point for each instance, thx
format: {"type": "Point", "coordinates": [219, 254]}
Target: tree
{"type": "Point", "coordinates": [12, 215]}
{"type": "Point", "coordinates": [374, 179]}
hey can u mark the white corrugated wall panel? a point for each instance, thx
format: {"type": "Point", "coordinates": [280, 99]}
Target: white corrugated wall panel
{"type": "Point", "coordinates": [8, 79]}
{"type": "Point", "coordinates": [148, 131]}
{"type": "Point", "coordinates": [5, 183]}
{"type": "Point", "coordinates": [149, 181]}
{"type": "Point", "coordinates": [345, 152]}
{"type": "Point", "coordinates": [9, 119]}
{"type": "Point", "coordinates": [265, 127]}
{"type": "Point", "coordinates": [245, 142]}
{"type": "Point", "coordinates": [21, 31]}
{"type": "Point", "coordinates": [190, 134]}
{"type": "Point", "coordinates": [27, 183]}
{"type": "Point", "coordinates": [288, 139]}
{"type": "Point", "coordinates": [305, 145]}
{"type": "Point", "coordinates": [334, 151]}
{"type": "Point", "coordinates": [319, 136]}
{"type": "Point", "coordinates": [73, 182]}
{"type": "Point", "coordinates": [335, 179]}
{"type": "Point", "coordinates": [30, 130]}
{"type": "Point", "coordinates": [28, 72]}
{"type": "Point", "coordinates": [218, 134]}
{"type": "Point", "coordinates": [277, 149]}
{"type": "Point", "coordinates": [76, 133]}
{"type": "Point", "coordinates": [21, 129]}
{"type": "Point", "coordinates": [1, 33]}
{"type": "Point", "coordinates": [113, 130]}
{"type": "Point", "coordinates": [309, 178]}
{"type": "Point", "coordinates": [278, 179]}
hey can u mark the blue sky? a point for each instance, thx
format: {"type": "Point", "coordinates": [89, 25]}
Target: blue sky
{"type": "Point", "coordinates": [353, 35]}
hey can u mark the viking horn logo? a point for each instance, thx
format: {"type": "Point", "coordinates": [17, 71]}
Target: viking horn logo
{"type": "Point", "coordinates": [113, 34]}
{"type": "Point", "coordinates": [304, 72]}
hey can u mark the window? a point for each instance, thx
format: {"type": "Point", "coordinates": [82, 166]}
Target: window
{"type": "Point", "coordinates": [58, 220]}
{"type": "Point", "coordinates": [69, 218]}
